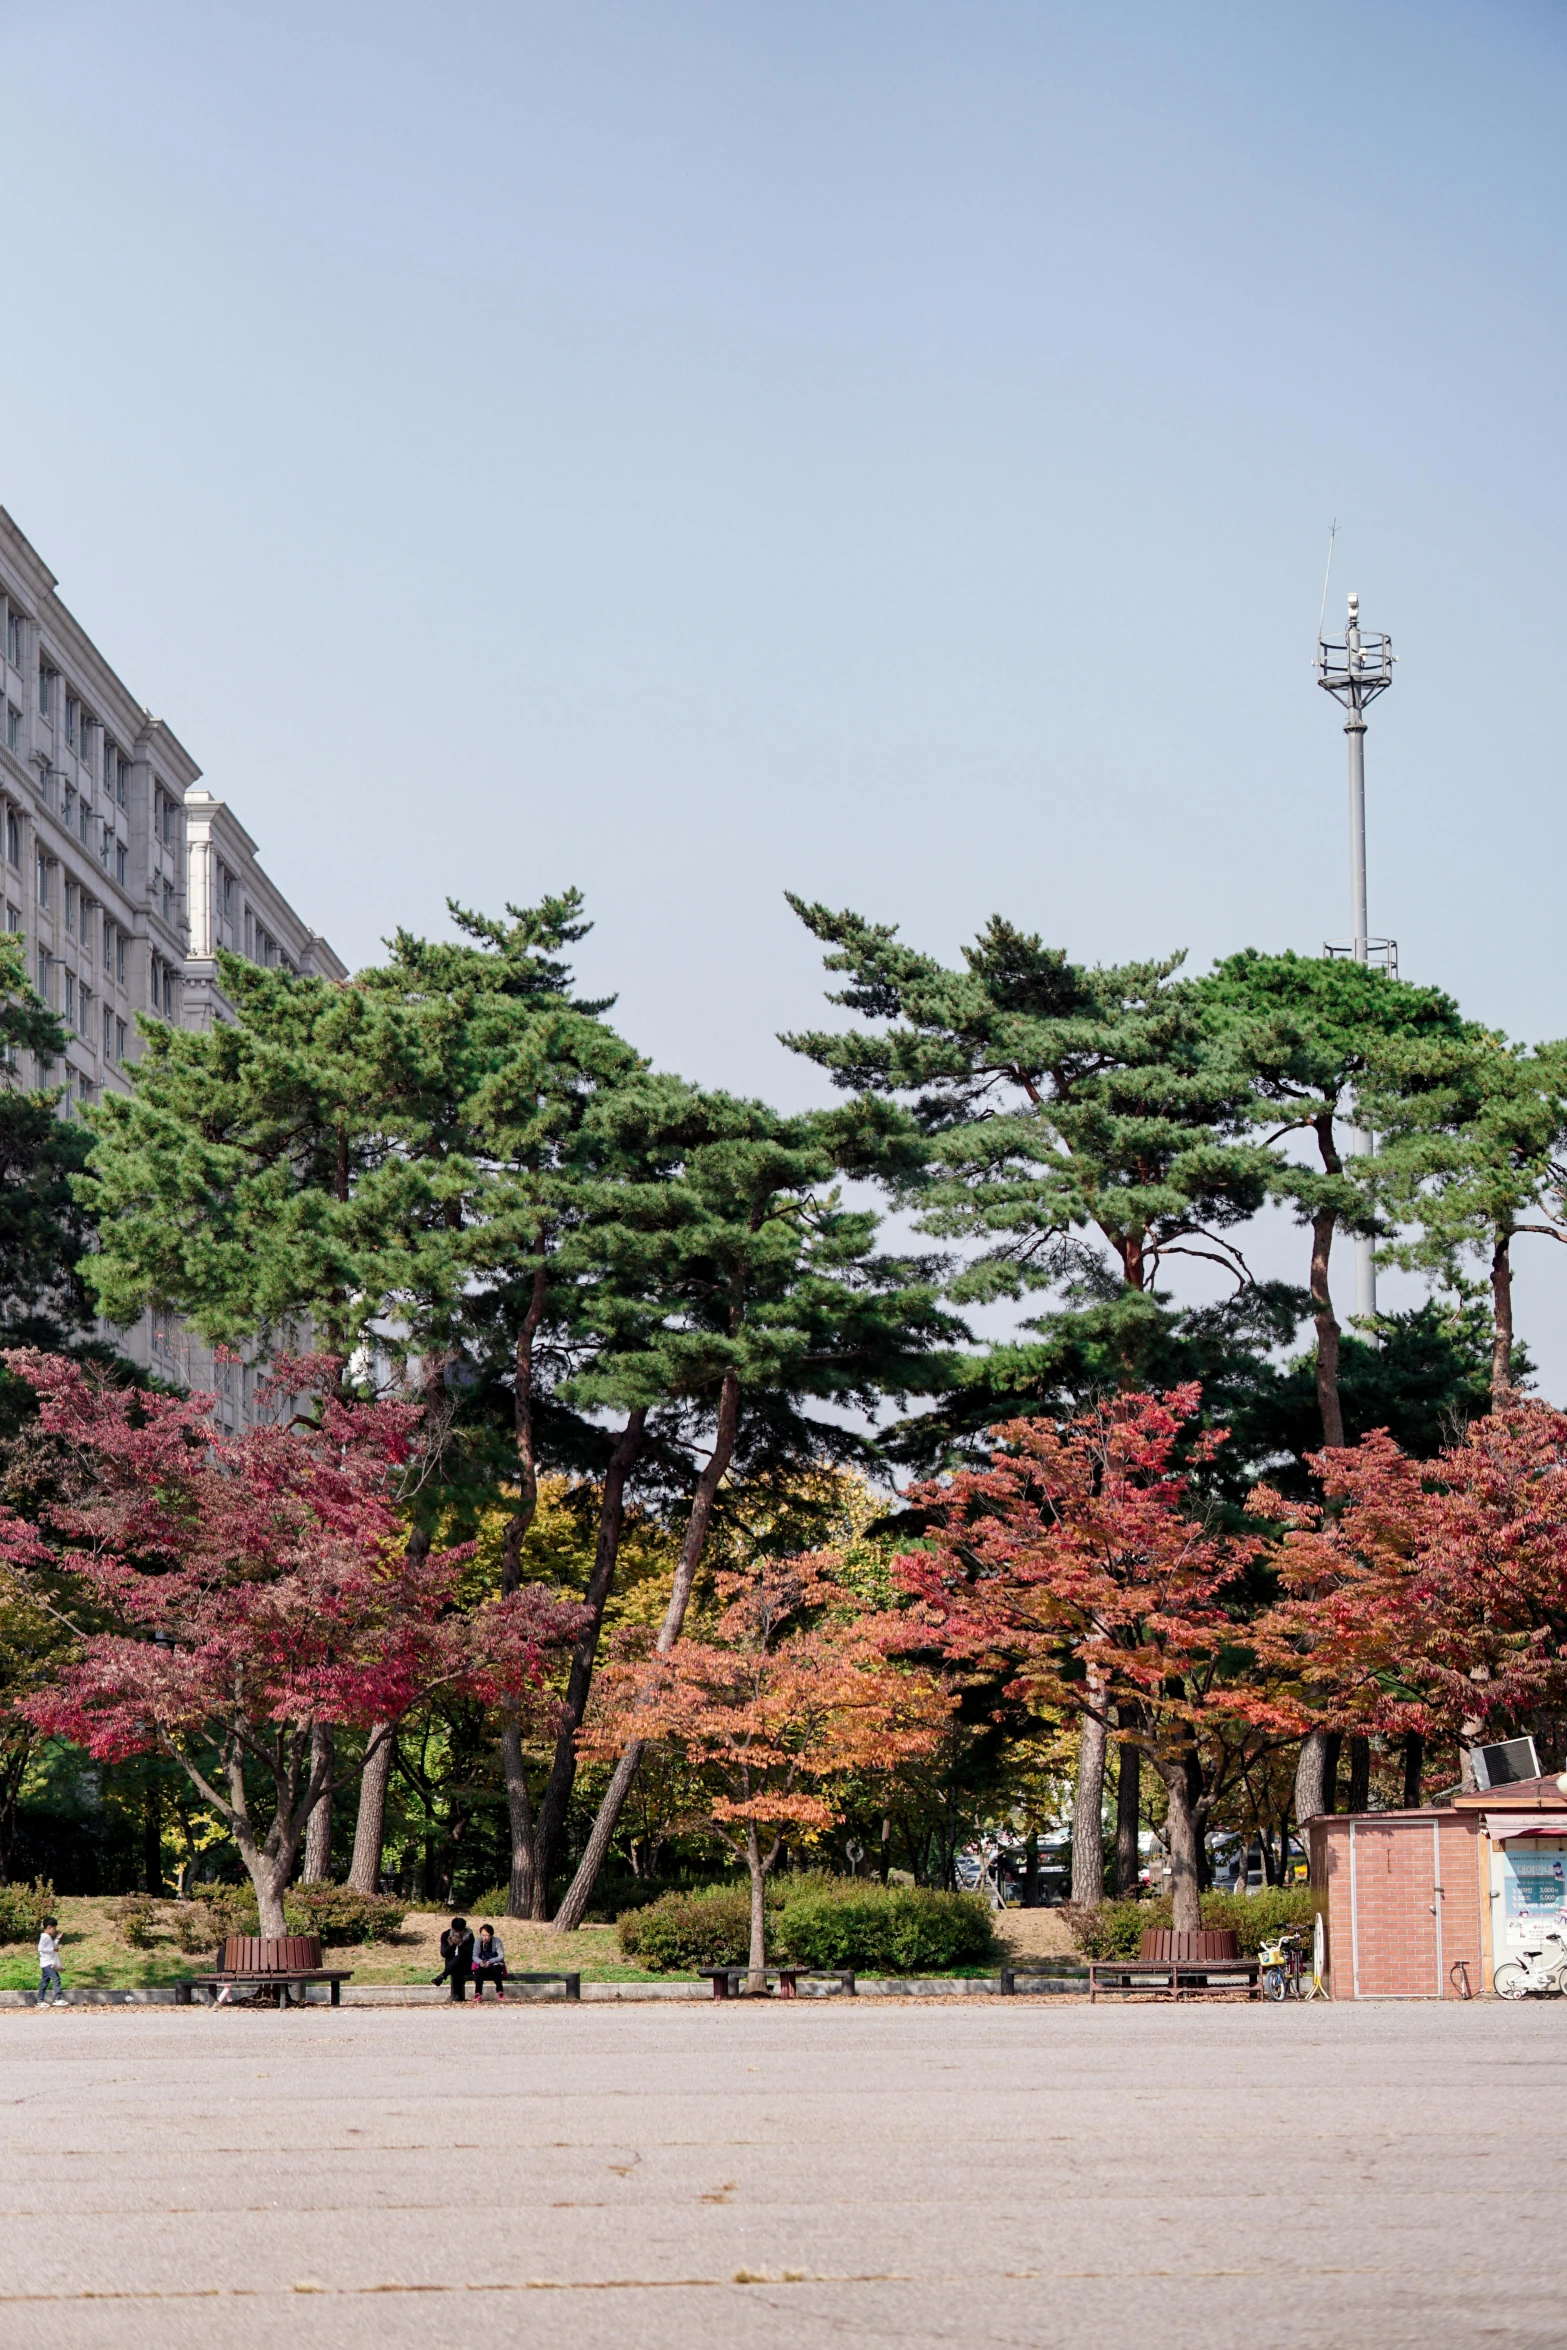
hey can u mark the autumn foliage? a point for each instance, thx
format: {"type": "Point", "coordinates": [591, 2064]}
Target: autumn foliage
{"type": "Point", "coordinates": [228, 1591]}
{"type": "Point", "coordinates": [1081, 1562]}
{"type": "Point", "coordinates": [1429, 1596]}
{"type": "Point", "coordinates": [787, 1692]}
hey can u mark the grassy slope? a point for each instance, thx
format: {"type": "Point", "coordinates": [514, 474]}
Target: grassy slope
{"type": "Point", "coordinates": [94, 1954]}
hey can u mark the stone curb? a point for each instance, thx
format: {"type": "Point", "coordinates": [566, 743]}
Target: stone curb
{"type": "Point", "coordinates": [530, 1994]}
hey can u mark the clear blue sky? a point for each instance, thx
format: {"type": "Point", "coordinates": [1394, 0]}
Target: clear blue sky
{"type": "Point", "coordinates": [883, 450]}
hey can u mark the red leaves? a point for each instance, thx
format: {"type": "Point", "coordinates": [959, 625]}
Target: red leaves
{"type": "Point", "coordinates": [1081, 1560]}
{"type": "Point", "coordinates": [250, 1579]}
{"type": "Point", "coordinates": [1428, 1594]}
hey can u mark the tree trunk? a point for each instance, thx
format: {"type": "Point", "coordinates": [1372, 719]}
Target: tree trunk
{"type": "Point", "coordinates": [364, 1870]}
{"type": "Point", "coordinates": [753, 1854]}
{"type": "Point", "coordinates": [1128, 1791]}
{"type": "Point", "coordinates": [1185, 1850]}
{"type": "Point", "coordinates": [1088, 1852]}
{"type": "Point", "coordinates": [886, 1845]}
{"type": "Point", "coordinates": [1314, 1774]}
{"type": "Point", "coordinates": [1359, 1774]}
{"type": "Point", "coordinates": [1328, 1404]}
{"type": "Point", "coordinates": [584, 1655]}
{"type": "Point", "coordinates": [1502, 1322]}
{"type": "Point", "coordinates": [318, 1835]}
{"type": "Point", "coordinates": [152, 1836]}
{"type": "Point", "coordinates": [520, 1893]}
{"type": "Point", "coordinates": [269, 1878]}
{"type": "Point", "coordinates": [1414, 1768]}
{"type": "Point", "coordinates": [521, 1889]}
{"type": "Point", "coordinates": [572, 1910]}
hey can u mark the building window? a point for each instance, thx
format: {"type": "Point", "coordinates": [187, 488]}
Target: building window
{"type": "Point", "coordinates": [119, 956]}
{"type": "Point", "coordinates": [108, 763]}
{"type": "Point", "coordinates": [13, 917]}
{"type": "Point", "coordinates": [45, 677]}
{"type": "Point", "coordinates": [228, 893]}
{"type": "Point", "coordinates": [68, 805]}
{"type": "Point", "coordinates": [87, 724]}
{"type": "Point", "coordinates": [13, 838]}
{"type": "Point", "coordinates": [43, 975]}
{"type": "Point", "coordinates": [43, 883]}
{"type": "Point", "coordinates": [108, 845]}
{"type": "Point", "coordinates": [168, 993]}
{"type": "Point", "coordinates": [122, 768]}
{"type": "Point", "coordinates": [70, 907]}
{"type": "Point", "coordinates": [168, 903]}
{"type": "Point", "coordinates": [119, 862]}
{"type": "Point", "coordinates": [13, 639]}
{"type": "Point", "coordinates": [13, 727]}
{"type": "Point", "coordinates": [119, 1040]}
{"type": "Point", "coordinates": [108, 1034]}
{"type": "Point", "coordinates": [70, 720]}
{"type": "Point", "coordinates": [85, 1022]}
{"type": "Point", "coordinates": [108, 944]}
{"type": "Point", "coordinates": [68, 999]}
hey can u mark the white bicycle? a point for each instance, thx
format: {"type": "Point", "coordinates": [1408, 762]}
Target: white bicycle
{"type": "Point", "coordinates": [1535, 1974]}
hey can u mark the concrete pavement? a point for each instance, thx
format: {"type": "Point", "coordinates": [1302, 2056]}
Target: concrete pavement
{"type": "Point", "coordinates": [750, 2178]}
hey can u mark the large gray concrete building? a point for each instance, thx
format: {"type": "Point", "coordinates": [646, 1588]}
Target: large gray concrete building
{"type": "Point", "coordinates": [124, 876]}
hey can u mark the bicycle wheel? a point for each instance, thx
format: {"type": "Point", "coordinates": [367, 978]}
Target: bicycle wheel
{"type": "Point", "coordinates": [1511, 1980]}
{"type": "Point", "coordinates": [1273, 1982]}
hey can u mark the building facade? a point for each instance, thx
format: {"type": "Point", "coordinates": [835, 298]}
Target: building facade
{"type": "Point", "coordinates": [124, 878]}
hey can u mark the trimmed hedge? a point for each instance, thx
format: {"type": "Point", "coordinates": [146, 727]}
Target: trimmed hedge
{"type": "Point", "coordinates": [709, 1926]}
{"type": "Point", "coordinates": [1116, 1928]}
{"type": "Point", "coordinates": [887, 1929]}
{"type": "Point", "coordinates": [818, 1920]}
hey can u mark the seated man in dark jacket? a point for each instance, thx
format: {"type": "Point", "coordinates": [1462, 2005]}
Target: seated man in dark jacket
{"type": "Point", "coordinates": [456, 1957]}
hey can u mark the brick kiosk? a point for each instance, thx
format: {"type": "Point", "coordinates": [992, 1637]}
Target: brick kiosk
{"type": "Point", "coordinates": [1422, 1904]}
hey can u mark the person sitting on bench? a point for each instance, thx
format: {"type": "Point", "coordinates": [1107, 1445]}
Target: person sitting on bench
{"type": "Point", "coordinates": [456, 1958]}
{"type": "Point", "coordinates": [489, 1962]}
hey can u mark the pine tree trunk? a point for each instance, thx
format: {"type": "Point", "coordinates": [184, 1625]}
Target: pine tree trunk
{"type": "Point", "coordinates": [1185, 1850]}
{"type": "Point", "coordinates": [364, 1872]}
{"type": "Point", "coordinates": [1088, 1854]}
{"type": "Point", "coordinates": [1128, 1816]}
{"type": "Point", "coordinates": [514, 1771]}
{"type": "Point", "coordinates": [1359, 1774]}
{"type": "Point", "coordinates": [152, 1836]}
{"type": "Point", "coordinates": [1414, 1768]}
{"type": "Point", "coordinates": [573, 1909]}
{"type": "Point", "coordinates": [318, 1835]}
{"type": "Point", "coordinates": [584, 1655]}
{"type": "Point", "coordinates": [1328, 1404]}
{"type": "Point", "coordinates": [1502, 1322]}
{"type": "Point", "coordinates": [519, 1813]}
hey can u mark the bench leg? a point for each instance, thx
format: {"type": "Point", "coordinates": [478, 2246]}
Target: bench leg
{"type": "Point", "coordinates": [720, 1986]}
{"type": "Point", "coordinates": [786, 1987]}
{"type": "Point", "coordinates": [573, 1986]}
{"type": "Point", "coordinates": [182, 1994]}
{"type": "Point", "coordinates": [337, 1989]}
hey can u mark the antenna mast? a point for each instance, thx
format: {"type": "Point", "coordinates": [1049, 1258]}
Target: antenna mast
{"type": "Point", "coordinates": [1354, 673]}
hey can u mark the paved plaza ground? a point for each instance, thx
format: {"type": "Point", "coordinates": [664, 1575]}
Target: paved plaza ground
{"type": "Point", "coordinates": [756, 2177]}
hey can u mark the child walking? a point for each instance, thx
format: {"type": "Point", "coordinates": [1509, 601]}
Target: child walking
{"type": "Point", "coordinates": [49, 1985]}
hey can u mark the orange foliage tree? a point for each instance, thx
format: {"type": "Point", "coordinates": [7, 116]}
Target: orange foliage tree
{"type": "Point", "coordinates": [789, 1691]}
{"type": "Point", "coordinates": [1082, 1558]}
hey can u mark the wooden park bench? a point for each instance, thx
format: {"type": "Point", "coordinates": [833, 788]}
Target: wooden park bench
{"type": "Point", "coordinates": [276, 1963]}
{"type": "Point", "coordinates": [726, 1980]}
{"type": "Point", "coordinates": [1168, 1965]}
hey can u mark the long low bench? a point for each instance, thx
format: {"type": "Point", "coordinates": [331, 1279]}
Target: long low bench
{"type": "Point", "coordinates": [726, 1980]}
{"type": "Point", "coordinates": [573, 1983]}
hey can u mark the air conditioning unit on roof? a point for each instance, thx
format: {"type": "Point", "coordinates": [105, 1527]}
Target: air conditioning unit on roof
{"type": "Point", "coordinates": [1504, 1765]}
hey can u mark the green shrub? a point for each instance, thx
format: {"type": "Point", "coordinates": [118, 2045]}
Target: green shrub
{"type": "Point", "coordinates": [491, 1905]}
{"type": "Point", "coordinates": [136, 1920]}
{"type": "Point", "coordinates": [885, 1929]}
{"type": "Point", "coordinates": [23, 1909]}
{"type": "Point", "coordinates": [230, 1909]}
{"type": "Point", "coordinates": [1116, 1928]}
{"type": "Point", "coordinates": [338, 1914]}
{"type": "Point", "coordinates": [708, 1926]}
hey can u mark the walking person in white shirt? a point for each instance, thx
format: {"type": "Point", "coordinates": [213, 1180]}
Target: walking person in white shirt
{"type": "Point", "coordinates": [49, 1985]}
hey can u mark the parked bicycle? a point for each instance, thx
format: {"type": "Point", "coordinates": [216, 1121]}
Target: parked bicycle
{"type": "Point", "coordinates": [1535, 1974]}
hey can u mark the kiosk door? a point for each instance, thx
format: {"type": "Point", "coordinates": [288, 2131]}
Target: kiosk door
{"type": "Point", "coordinates": [1528, 1883]}
{"type": "Point", "coordinates": [1395, 1894]}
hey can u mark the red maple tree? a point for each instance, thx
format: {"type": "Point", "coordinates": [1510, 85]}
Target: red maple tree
{"type": "Point", "coordinates": [1429, 1596]}
{"type": "Point", "coordinates": [229, 1591]}
{"type": "Point", "coordinates": [789, 1689]}
{"type": "Point", "coordinates": [1081, 1561]}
